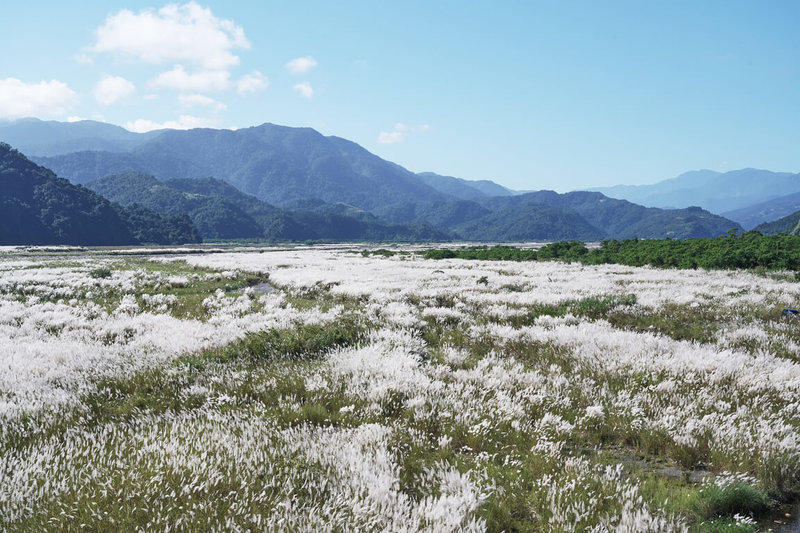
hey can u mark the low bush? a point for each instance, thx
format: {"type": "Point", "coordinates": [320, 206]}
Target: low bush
{"type": "Point", "coordinates": [734, 498]}
{"type": "Point", "coordinates": [98, 273]}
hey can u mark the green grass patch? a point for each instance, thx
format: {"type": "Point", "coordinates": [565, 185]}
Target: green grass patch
{"type": "Point", "coordinates": [100, 273]}
{"type": "Point", "coordinates": [380, 252]}
{"type": "Point", "coordinates": [303, 341]}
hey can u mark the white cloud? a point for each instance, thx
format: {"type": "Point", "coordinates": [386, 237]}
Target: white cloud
{"type": "Point", "coordinates": [304, 89]}
{"type": "Point", "coordinates": [184, 122]}
{"type": "Point", "coordinates": [301, 65]}
{"type": "Point", "coordinates": [191, 100]}
{"type": "Point", "coordinates": [75, 119]}
{"type": "Point", "coordinates": [150, 96]}
{"type": "Point", "coordinates": [200, 100]}
{"type": "Point", "coordinates": [391, 137]}
{"type": "Point", "coordinates": [400, 133]}
{"type": "Point", "coordinates": [19, 99]}
{"type": "Point", "coordinates": [178, 79]}
{"type": "Point", "coordinates": [202, 81]}
{"type": "Point", "coordinates": [186, 33]}
{"type": "Point", "coordinates": [111, 89]}
{"type": "Point", "coordinates": [253, 82]}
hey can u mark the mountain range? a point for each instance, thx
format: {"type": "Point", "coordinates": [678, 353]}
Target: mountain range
{"type": "Point", "coordinates": [220, 211]}
{"type": "Point", "coordinates": [748, 196]}
{"type": "Point", "coordinates": [279, 183]}
{"type": "Point", "coordinates": [275, 164]}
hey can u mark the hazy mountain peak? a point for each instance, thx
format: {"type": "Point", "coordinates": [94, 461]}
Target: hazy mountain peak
{"type": "Point", "coordinates": [461, 188]}
{"type": "Point", "coordinates": [718, 192]}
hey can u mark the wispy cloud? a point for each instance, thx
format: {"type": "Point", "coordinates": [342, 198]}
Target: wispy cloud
{"type": "Point", "coordinates": [391, 137]}
{"type": "Point", "coordinates": [251, 83]}
{"type": "Point", "coordinates": [400, 133]}
{"type": "Point", "coordinates": [20, 99]}
{"type": "Point", "coordinates": [301, 65]}
{"type": "Point", "coordinates": [200, 100]}
{"type": "Point", "coordinates": [202, 81]}
{"type": "Point", "coordinates": [112, 89]}
{"type": "Point", "coordinates": [304, 89]}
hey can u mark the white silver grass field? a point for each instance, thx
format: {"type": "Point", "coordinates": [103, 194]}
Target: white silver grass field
{"type": "Point", "coordinates": [322, 389]}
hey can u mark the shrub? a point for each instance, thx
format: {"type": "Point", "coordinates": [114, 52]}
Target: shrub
{"type": "Point", "coordinates": [100, 273]}
{"type": "Point", "coordinates": [734, 498]}
{"type": "Point", "coordinates": [306, 340]}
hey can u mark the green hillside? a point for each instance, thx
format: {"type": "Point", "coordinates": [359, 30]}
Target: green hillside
{"type": "Point", "coordinates": [37, 207]}
{"type": "Point", "coordinates": [790, 224]}
{"type": "Point", "coordinates": [220, 211]}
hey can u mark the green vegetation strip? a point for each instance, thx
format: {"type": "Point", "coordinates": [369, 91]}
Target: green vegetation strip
{"type": "Point", "coordinates": [748, 250]}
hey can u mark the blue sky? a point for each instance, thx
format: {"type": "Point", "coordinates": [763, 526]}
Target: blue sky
{"type": "Point", "coordinates": [534, 95]}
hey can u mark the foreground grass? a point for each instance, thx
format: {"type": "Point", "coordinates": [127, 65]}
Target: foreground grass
{"type": "Point", "coordinates": [272, 370]}
{"type": "Point", "coordinates": [267, 431]}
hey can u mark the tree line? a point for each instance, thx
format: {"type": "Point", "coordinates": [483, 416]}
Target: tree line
{"type": "Point", "coordinates": [744, 250]}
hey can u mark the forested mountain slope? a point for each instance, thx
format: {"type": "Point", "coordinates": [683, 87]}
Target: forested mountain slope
{"type": "Point", "coordinates": [37, 207]}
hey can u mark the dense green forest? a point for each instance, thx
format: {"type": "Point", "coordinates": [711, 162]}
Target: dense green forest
{"type": "Point", "coordinates": [37, 207]}
{"type": "Point", "coordinates": [745, 250]}
{"type": "Point", "coordinates": [149, 227]}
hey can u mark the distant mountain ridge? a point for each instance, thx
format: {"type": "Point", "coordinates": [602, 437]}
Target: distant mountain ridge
{"type": "Point", "coordinates": [276, 164]}
{"type": "Point", "coordinates": [88, 150]}
{"type": "Point", "coordinates": [771, 210]}
{"type": "Point", "coordinates": [463, 189]}
{"type": "Point", "coordinates": [648, 194]}
{"type": "Point", "coordinates": [621, 219]}
{"type": "Point", "coordinates": [548, 215]}
{"type": "Point", "coordinates": [37, 138]}
{"type": "Point", "coordinates": [723, 193]}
